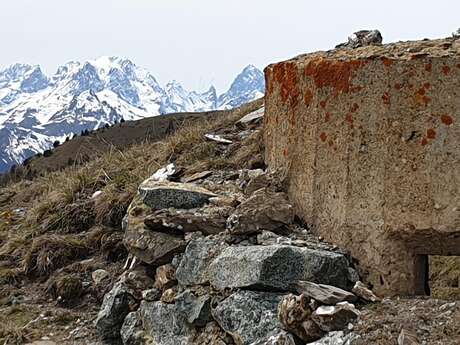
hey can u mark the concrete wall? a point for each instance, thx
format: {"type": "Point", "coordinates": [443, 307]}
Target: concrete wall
{"type": "Point", "coordinates": [371, 141]}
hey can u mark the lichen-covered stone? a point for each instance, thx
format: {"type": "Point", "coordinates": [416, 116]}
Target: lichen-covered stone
{"type": "Point", "coordinates": [165, 324]}
{"type": "Point", "coordinates": [264, 210]}
{"type": "Point", "coordinates": [115, 307]}
{"type": "Point", "coordinates": [131, 332]}
{"type": "Point", "coordinates": [276, 267]}
{"type": "Point", "coordinates": [200, 252]}
{"type": "Point", "coordinates": [323, 293]}
{"type": "Point", "coordinates": [197, 310]}
{"type": "Point", "coordinates": [160, 195]}
{"type": "Point", "coordinates": [248, 316]}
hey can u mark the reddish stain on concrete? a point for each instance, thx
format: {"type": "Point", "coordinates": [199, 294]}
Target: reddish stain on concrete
{"type": "Point", "coordinates": [386, 98]}
{"type": "Point", "coordinates": [333, 73]}
{"type": "Point", "coordinates": [431, 133]}
{"type": "Point", "coordinates": [349, 118]}
{"type": "Point", "coordinates": [427, 86]}
{"type": "Point", "coordinates": [307, 97]}
{"type": "Point", "coordinates": [286, 76]}
{"type": "Point", "coordinates": [323, 104]}
{"type": "Point", "coordinates": [424, 141]}
{"type": "Point", "coordinates": [428, 67]}
{"type": "Point", "coordinates": [387, 62]}
{"type": "Point", "coordinates": [327, 117]}
{"type": "Point", "coordinates": [447, 119]}
{"type": "Point", "coordinates": [285, 152]}
{"type": "Point", "coordinates": [421, 97]}
{"type": "Point", "coordinates": [323, 137]}
{"type": "Point", "coordinates": [446, 70]}
{"type": "Point", "coordinates": [398, 86]}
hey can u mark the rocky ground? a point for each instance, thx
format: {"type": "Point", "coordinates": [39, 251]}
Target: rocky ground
{"type": "Point", "coordinates": [214, 256]}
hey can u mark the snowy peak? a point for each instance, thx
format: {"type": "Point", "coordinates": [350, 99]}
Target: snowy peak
{"type": "Point", "coordinates": [36, 110]}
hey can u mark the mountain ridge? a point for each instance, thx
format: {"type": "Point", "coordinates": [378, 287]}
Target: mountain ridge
{"type": "Point", "coordinates": [36, 109]}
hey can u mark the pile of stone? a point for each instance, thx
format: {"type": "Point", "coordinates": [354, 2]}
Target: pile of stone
{"type": "Point", "coordinates": [217, 258]}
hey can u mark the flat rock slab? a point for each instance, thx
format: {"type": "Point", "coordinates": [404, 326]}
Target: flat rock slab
{"type": "Point", "coordinates": [276, 267]}
{"type": "Point", "coordinates": [155, 248]}
{"type": "Point", "coordinates": [248, 316]}
{"type": "Point", "coordinates": [253, 117]}
{"type": "Point", "coordinates": [165, 324]}
{"type": "Point", "coordinates": [325, 294]}
{"type": "Point", "coordinates": [160, 195]}
{"type": "Point", "coordinates": [199, 254]}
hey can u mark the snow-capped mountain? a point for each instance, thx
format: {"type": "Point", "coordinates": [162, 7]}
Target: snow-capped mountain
{"type": "Point", "coordinates": [36, 110]}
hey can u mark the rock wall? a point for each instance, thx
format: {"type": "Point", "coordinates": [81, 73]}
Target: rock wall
{"type": "Point", "coordinates": [370, 140]}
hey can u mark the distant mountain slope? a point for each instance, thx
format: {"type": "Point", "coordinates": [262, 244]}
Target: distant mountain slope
{"type": "Point", "coordinates": [36, 110]}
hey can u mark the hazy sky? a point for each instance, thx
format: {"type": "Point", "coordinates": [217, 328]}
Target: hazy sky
{"type": "Point", "coordinates": [201, 42]}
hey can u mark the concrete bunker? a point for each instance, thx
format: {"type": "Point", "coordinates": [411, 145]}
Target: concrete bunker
{"type": "Point", "coordinates": [370, 141]}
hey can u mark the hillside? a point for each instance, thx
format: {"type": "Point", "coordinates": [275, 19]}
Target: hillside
{"type": "Point", "coordinates": [36, 109]}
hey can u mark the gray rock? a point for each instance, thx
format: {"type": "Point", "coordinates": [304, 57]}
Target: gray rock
{"type": "Point", "coordinates": [99, 275]}
{"type": "Point", "coordinates": [165, 324]}
{"type": "Point", "coordinates": [160, 195]}
{"type": "Point", "coordinates": [151, 295]}
{"type": "Point", "coordinates": [155, 248]}
{"type": "Point", "coordinates": [325, 294]}
{"type": "Point", "coordinates": [254, 117]}
{"type": "Point", "coordinates": [364, 293]}
{"type": "Point", "coordinates": [335, 318]}
{"type": "Point", "coordinates": [363, 38]}
{"type": "Point", "coordinates": [197, 310]}
{"type": "Point", "coordinates": [407, 337]}
{"type": "Point", "coordinates": [264, 210]}
{"type": "Point", "coordinates": [115, 307]}
{"type": "Point", "coordinates": [131, 331]}
{"type": "Point", "coordinates": [193, 268]}
{"type": "Point", "coordinates": [248, 316]}
{"type": "Point", "coordinates": [277, 337]}
{"type": "Point", "coordinates": [335, 338]}
{"type": "Point", "coordinates": [276, 267]}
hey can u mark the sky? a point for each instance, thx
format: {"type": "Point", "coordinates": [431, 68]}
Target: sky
{"type": "Point", "coordinates": [203, 42]}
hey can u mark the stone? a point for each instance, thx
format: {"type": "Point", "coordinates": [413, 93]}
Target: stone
{"type": "Point", "coordinates": [294, 313]}
{"type": "Point", "coordinates": [248, 315]}
{"type": "Point", "coordinates": [160, 195]}
{"type": "Point", "coordinates": [364, 293]}
{"type": "Point", "coordinates": [361, 180]}
{"type": "Point", "coordinates": [197, 310]}
{"type": "Point", "coordinates": [165, 324]}
{"type": "Point", "coordinates": [335, 338]}
{"type": "Point", "coordinates": [131, 332]}
{"type": "Point", "coordinates": [165, 277]}
{"type": "Point", "coordinates": [323, 293]}
{"type": "Point", "coordinates": [169, 295]}
{"type": "Point", "coordinates": [407, 337]}
{"type": "Point", "coordinates": [264, 210]}
{"type": "Point", "coordinates": [99, 276]}
{"type": "Point", "coordinates": [276, 267]}
{"type": "Point", "coordinates": [151, 295]}
{"type": "Point", "coordinates": [277, 337]}
{"type": "Point", "coordinates": [197, 176]}
{"type": "Point", "coordinates": [155, 248]}
{"type": "Point", "coordinates": [363, 38]}
{"type": "Point", "coordinates": [208, 219]}
{"type": "Point", "coordinates": [212, 334]}
{"type": "Point", "coordinates": [217, 138]}
{"type": "Point", "coordinates": [251, 118]}
{"type": "Point", "coordinates": [335, 318]}
{"type": "Point", "coordinates": [165, 173]}
{"type": "Point", "coordinates": [194, 266]}
{"type": "Point", "coordinates": [115, 306]}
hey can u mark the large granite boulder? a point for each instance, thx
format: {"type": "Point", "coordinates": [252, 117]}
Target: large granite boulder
{"type": "Point", "coordinates": [248, 316]}
{"type": "Point", "coordinates": [196, 309]}
{"type": "Point", "coordinates": [159, 195]}
{"type": "Point", "coordinates": [276, 267]}
{"type": "Point", "coordinates": [264, 210]}
{"type": "Point", "coordinates": [200, 252]}
{"type": "Point", "coordinates": [165, 324]}
{"type": "Point", "coordinates": [115, 307]}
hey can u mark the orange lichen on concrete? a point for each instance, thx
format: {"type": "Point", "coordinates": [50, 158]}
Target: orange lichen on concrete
{"type": "Point", "coordinates": [447, 119]}
{"type": "Point", "coordinates": [446, 69]}
{"type": "Point", "coordinates": [307, 97]}
{"type": "Point", "coordinates": [387, 62]}
{"type": "Point", "coordinates": [333, 73]}
{"type": "Point", "coordinates": [286, 76]}
{"type": "Point", "coordinates": [431, 133]}
{"type": "Point", "coordinates": [421, 97]}
{"type": "Point", "coordinates": [323, 137]}
{"type": "Point", "coordinates": [386, 98]}
{"type": "Point", "coordinates": [424, 141]}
